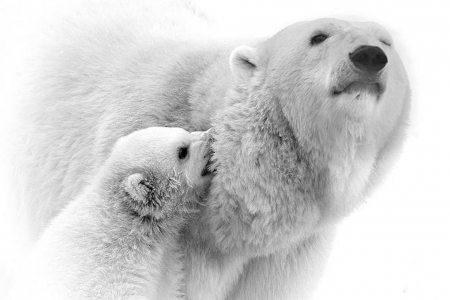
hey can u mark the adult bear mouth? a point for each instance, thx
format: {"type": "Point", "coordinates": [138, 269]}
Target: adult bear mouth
{"type": "Point", "coordinates": [359, 87]}
{"type": "Point", "coordinates": [354, 83]}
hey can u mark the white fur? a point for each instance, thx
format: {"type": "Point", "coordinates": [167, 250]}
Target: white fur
{"type": "Point", "coordinates": [99, 247]}
{"type": "Point", "coordinates": [292, 160]}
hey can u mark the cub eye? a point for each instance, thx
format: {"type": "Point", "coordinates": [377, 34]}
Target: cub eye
{"type": "Point", "coordinates": [183, 152]}
{"type": "Point", "coordinates": [318, 38]}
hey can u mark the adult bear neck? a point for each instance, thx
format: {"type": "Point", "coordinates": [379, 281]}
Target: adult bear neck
{"type": "Point", "coordinates": [268, 189]}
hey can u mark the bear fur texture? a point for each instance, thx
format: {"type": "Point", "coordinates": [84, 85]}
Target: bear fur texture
{"type": "Point", "coordinates": [302, 133]}
{"type": "Point", "coordinates": [120, 238]}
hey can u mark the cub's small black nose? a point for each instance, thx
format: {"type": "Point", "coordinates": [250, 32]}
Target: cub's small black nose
{"type": "Point", "coordinates": [369, 58]}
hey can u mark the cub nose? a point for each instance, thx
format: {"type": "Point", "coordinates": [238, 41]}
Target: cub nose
{"type": "Point", "coordinates": [369, 58]}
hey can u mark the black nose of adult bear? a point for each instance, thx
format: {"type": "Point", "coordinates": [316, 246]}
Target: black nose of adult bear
{"type": "Point", "coordinates": [369, 58]}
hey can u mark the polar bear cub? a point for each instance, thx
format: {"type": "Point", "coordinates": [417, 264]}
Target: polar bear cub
{"type": "Point", "coordinates": [119, 239]}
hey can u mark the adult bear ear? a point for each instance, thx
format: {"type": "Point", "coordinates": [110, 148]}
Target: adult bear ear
{"type": "Point", "coordinates": [246, 66]}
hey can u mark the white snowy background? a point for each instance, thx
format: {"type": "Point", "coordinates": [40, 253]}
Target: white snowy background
{"type": "Point", "coordinates": [397, 246]}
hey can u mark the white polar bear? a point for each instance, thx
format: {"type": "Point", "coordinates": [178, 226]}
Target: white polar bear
{"type": "Point", "coordinates": [306, 123]}
{"type": "Point", "coordinates": [120, 238]}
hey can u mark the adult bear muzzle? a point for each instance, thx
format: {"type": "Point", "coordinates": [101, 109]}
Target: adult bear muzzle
{"type": "Point", "coordinates": [370, 59]}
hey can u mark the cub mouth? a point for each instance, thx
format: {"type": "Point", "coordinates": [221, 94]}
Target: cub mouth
{"type": "Point", "coordinates": [207, 168]}
{"type": "Point", "coordinates": [210, 166]}
{"type": "Point", "coordinates": [207, 152]}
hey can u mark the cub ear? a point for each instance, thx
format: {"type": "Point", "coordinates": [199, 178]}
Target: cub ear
{"type": "Point", "coordinates": [139, 189]}
{"type": "Point", "coordinates": [150, 193]}
{"type": "Point", "coordinates": [245, 64]}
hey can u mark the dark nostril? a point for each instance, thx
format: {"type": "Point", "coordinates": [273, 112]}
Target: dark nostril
{"type": "Point", "coordinates": [369, 58]}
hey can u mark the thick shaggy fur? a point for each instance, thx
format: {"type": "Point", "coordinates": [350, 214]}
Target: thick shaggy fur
{"type": "Point", "coordinates": [292, 158]}
{"type": "Point", "coordinates": [120, 238]}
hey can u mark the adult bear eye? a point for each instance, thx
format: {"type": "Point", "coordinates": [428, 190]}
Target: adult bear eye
{"type": "Point", "coordinates": [318, 38]}
{"type": "Point", "coordinates": [385, 42]}
{"type": "Point", "coordinates": [183, 152]}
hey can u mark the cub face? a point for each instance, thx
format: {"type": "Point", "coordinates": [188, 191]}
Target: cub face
{"type": "Point", "coordinates": [161, 169]}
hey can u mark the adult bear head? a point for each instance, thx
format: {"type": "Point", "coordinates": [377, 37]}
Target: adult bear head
{"type": "Point", "coordinates": [319, 109]}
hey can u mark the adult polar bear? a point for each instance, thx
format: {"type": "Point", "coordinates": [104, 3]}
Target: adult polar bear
{"type": "Point", "coordinates": [305, 122]}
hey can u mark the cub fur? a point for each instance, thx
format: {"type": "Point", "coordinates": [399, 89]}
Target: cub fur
{"type": "Point", "coordinates": [120, 238]}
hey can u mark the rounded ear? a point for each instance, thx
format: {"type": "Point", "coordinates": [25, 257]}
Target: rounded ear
{"type": "Point", "coordinates": [244, 64]}
{"type": "Point", "coordinates": [149, 193]}
{"type": "Point", "coordinates": [137, 187]}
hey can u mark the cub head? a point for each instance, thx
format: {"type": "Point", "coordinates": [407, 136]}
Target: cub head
{"type": "Point", "coordinates": [161, 169]}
